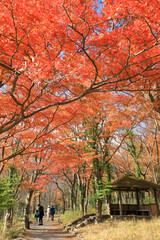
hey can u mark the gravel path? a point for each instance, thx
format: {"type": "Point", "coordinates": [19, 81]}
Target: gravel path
{"type": "Point", "coordinates": [48, 231]}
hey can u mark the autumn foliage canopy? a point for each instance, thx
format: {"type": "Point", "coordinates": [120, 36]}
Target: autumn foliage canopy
{"type": "Point", "coordinates": [55, 52]}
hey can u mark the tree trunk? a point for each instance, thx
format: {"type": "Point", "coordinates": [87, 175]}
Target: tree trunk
{"type": "Point", "coordinates": [82, 205]}
{"type": "Point", "coordinates": [86, 206]}
{"type": "Point", "coordinates": [64, 204]}
{"type": "Point", "coordinates": [8, 219]}
{"type": "Point", "coordinates": [27, 209]}
{"type": "Point", "coordinates": [75, 197]}
{"type": "Point", "coordinates": [99, 210]}
{"type": "Point", "coordinates": [72, 199]}
{"type": "Point", "coordinates": [87, 194]}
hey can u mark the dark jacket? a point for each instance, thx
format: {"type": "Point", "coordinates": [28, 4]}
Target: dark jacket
{"type": "Point", "coordinates": [41, 211]}
{"type": "Point", "coordinates": [52, 211]}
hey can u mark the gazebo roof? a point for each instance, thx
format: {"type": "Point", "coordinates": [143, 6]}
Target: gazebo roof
{"type": "Point", "coordinates": [131, 183]}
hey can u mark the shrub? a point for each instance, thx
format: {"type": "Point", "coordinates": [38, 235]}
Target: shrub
{"type": "Point", "coordinates": [12, 233]}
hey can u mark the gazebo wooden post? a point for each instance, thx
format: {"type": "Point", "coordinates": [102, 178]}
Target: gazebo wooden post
{"type": "Point", "coordinates": [156, 201]}
{"type": "Point", "coordinates": [137, 198]}
{"type": "Point", "coordinates": [108, 204]}
{"type": "Point", "coordinates": [120, 202]}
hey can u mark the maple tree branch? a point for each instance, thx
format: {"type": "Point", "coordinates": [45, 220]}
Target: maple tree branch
{"type": "Point", "coordinates": [121, 142]}
{"type": "Point", "coordinates": [85, 52]}
{"type": "Point", "coordinates": [69, 180]}
{"type": "Point", "coordinates": [143, 61]}
{"type": "Point", "coordinates": [55, 182]}
{"type": "Point", "coordinates": [37, 137]}
{"type": "Point", "coordinates": [84, 93]}
{"type": "Point", "coordinates": [29, 94]}
{"type": "Point", "coordinates": [100, 53]}
{"type": "Point", "coordinates": [150, 28]}
{"type": "Point", "coordinates": [15, 100]}
{"type": "Point", "coordinates": [107, 81]}
{"type": "Point", "coordinates": [66, 11]}
{"type": "Point", "coordinates": [145, 50]}
{"type": "Point", "coordinates": [8, 67]}
{"type": "Point", "coordinates": [129, 47]}
{"type": "Point", "coordinates": [13, 155]}
{"type": "Point", "coordinates": [83, 45]}
{"type": "Point", "coordinates": [36, 98]}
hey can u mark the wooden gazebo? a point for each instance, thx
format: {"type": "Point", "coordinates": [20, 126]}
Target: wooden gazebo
{"type": "Point", "coordinates": [132, 184]}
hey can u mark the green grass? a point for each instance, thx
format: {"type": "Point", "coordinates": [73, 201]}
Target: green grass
{"type": "Point", "coordinates": [69, 217]}
{"type": "Point", "coordinates": [12, 233]}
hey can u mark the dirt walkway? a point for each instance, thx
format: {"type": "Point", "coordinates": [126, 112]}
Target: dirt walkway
{"type": "Point", "coordinates": [48, 231]}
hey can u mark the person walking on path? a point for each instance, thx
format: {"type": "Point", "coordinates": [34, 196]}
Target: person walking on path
{"type": "Point", "coordinates": [52, 212]}
{"type": "Point", "coordinates": [41, 214]}
{"type": "Point", "coordinates": [36, 217]}
{"type": "Point", "coordinates": [48, 212]}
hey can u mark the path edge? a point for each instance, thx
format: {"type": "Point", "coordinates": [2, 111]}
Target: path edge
{"type": "Point", "coordinates": [70, 230]}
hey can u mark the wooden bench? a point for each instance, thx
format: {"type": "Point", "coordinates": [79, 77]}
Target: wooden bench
{"type": "Point", "coordinates": [143, 212]}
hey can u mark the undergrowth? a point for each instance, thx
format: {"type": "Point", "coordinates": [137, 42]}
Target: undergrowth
{"type": "Point", "coordinates": [69, 217]}
{"type": "Point", "coordinates": [12, 233]}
